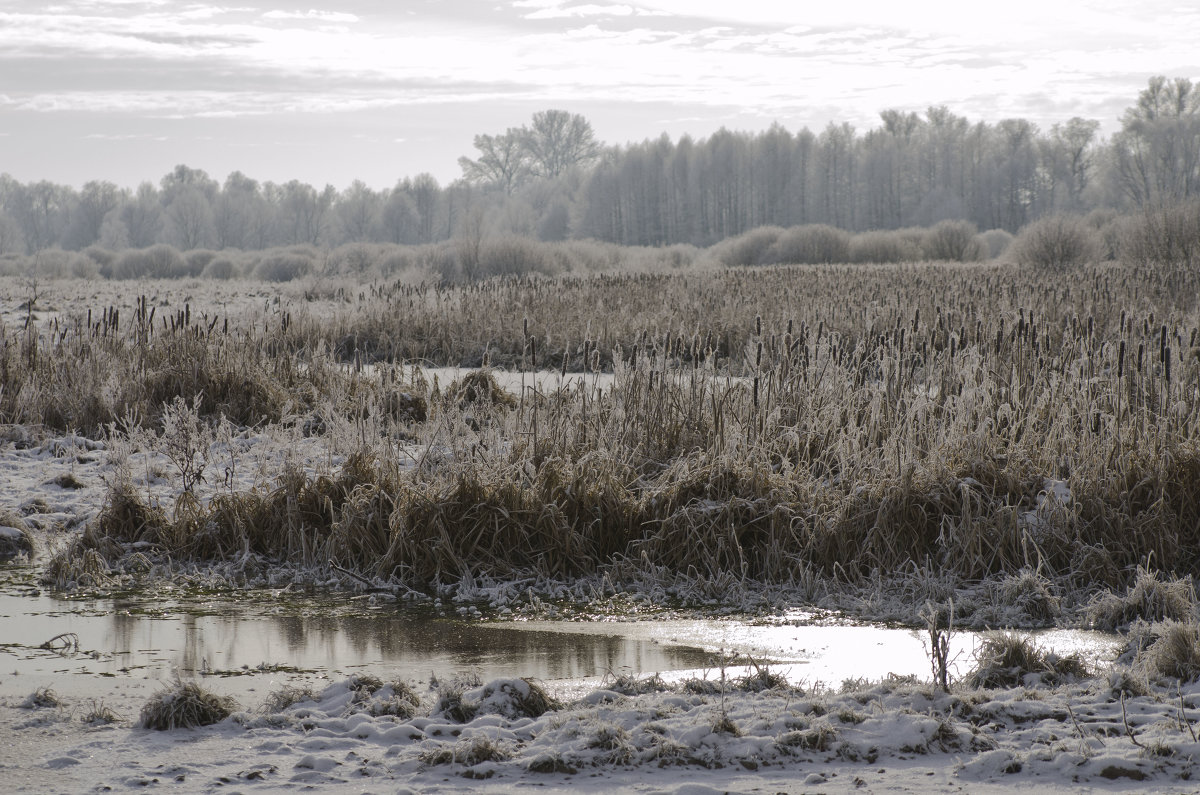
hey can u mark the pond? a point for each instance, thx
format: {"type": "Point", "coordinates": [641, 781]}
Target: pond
{"type": "Point", "coordinates": [245, 637]}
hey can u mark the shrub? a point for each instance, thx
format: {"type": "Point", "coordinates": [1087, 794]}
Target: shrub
{"type": "Point", "coordinates": [156, 262]}
{"type": "Point", "coordinates": [750, 248]}
{"type": "Point", "coordinates": [1168, 234]}
{"type": "Point", "coordinates": [883, 246]}
{"type": "Point", "coordinates": [1057, 242]}
{"type": "Point", "coordinates": [812, 244]}
{"type": "Point", "coordinates": [515, 255]}
{"type": "Point", "coordinates": [283, 266]}
{"type": "Point", "coordinates": [196, 261]}
{"type": "Point", "coordinates": [993, 242]}
{"type": "Point", "coordinates": [221, 268]}
{"type": "Point", "coordinates": [103, 257]}
{"type": "Point", "coordinates": [952, 240]}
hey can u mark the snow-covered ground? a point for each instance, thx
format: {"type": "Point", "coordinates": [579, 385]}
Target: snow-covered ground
{"type": "Point", "coordinates": [890, 737]}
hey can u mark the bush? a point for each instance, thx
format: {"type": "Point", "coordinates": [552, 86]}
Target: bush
{"type": "Point", "coordinates": [1168, 234]}
{"type": "Point", "coordinates": [750, 248]}
{"type": "Point", "coordinates": [197, 260]}
{"type": "Point", "coordinates": [156, 262]}
{"type": "Point", "coordinates": [283, 266]}
{"type": "Point", "coordinates": [994, 242]}
{"type": "Point", "coordinates": [221, 268]}
{"type": "Point", "coordinates": [883, 246]}
{"type": "Point", "coordinates": [515, 255]}
{"type": "Point", "coordinates": [1057, 242]}
{"type": "Point", "coordinates": [812, 244]}
{"type": "Point", "coordinates": [953, 241]}
{"type": "Point", "coordinates": [1111, 228]}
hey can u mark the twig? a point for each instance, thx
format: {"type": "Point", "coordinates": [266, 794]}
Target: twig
{"type": "Point", "coordinates": [1183, 717]}
{"type": "Point", "coordinates": [69, 641]}
{"type": "Point", "coordinates": [1125, 721]}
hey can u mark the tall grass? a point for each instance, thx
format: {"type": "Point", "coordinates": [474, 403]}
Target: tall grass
{"type": "Point", "coordinates": [783, 425]}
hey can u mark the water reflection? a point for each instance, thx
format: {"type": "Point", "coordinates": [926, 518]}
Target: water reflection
{"type": "Point", "coordinates": [157, 637]}
{"type": "Point", "coordinates": [126, 636]}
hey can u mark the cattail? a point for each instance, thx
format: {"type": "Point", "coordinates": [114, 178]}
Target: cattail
{"type": "Point", "coordinates": [1121, 360]}
{"type": "Point", "coordinates": [758, 325]}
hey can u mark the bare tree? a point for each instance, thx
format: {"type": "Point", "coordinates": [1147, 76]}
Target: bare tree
{"type": "Point", "coordinates": [503, 161]}
{"type": "Point", "coordinates": [357, 211]}
{"type": "Point", "coordinates": [1157, 152]}
{"type": "Point", "coordinates": [557, 141]}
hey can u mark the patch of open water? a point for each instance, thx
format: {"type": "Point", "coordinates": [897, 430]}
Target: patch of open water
{"type": "Point", "coordinates": [243, 637]}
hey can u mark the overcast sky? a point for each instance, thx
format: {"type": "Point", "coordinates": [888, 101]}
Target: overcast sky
{"type": "Point", "coordinates": [379, 89]}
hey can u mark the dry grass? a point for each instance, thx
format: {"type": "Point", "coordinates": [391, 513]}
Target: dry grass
{"type": "Point", "coordinates": [1006, 659]}
{"type": "Point", "coordinates": [185, 705]}
{"type": "Point", "coordinates": [779, 425]}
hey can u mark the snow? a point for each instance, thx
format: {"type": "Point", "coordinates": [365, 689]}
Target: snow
{"type": "Point", "coordinates": [888, 737]}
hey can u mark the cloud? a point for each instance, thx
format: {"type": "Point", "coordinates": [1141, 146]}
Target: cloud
{"type": "Point", "coordinates": [587, 10]}
{"type": "Point", "coordinates": [313, 14]}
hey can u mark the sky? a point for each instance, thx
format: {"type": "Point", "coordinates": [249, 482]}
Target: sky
{"type": "Point", "coordinates": [377, 90]}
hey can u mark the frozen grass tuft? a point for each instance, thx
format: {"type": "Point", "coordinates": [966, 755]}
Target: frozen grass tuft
{"type": "Point", "coordinates": [185, 705]}
{"type": "Point", "coordinates": [471, 752]}
{"type": "Point", "coordinates": [41, 698]}
{"type": "Point", "coordinates": [1150, 597]}
{"type": "Point", "coordinates": [1167, 649]}
{"type": "Point", "coordinates": [286, 697]}
{"type": "Point", "coordinates": [1007, 659]}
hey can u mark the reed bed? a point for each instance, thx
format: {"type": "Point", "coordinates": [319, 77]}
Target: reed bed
{"type": "Point", "coordinates": [794, 426]}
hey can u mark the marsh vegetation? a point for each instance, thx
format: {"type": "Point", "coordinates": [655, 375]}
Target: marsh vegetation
{"type": "Point", "coordinates": [916, 430]}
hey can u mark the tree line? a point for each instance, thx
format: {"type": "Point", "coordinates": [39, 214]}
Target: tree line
{"type": "Point", "coordinates": [552, 180]}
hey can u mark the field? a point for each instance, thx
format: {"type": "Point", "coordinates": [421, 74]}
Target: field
{"type": "Point", "coordinates": [946, 445]}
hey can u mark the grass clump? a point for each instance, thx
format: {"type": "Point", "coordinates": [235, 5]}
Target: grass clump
{"type": "Point", "coordinates": [99, 713]}
{"type": "Point", "coordinates": [288, 696]}
{"type": "Point", "coordinates": [1031, 593]}
{"type": "Point", "coordinates": [452, 702]}
{"type": "Point", "coordinates": [398, 699]}
{"type": "Point", "coordinates": [1007, 659]}
{"type": "Point", "coordinates": [41, 698]}
{"type": "Point", "coordinates": [817, 738]}
{"type": "Point", "coordinates": [632, 685]}
{"type": "Point", "coordinates": [1150, 598]}
{"type": "Point", "coordinates": [474, 751]}
{"type": "Point", "coordinates": [1168, 649]}
{"type": "Point", "coordinates": [185, 705]}
{"type": "Point", "coordinates": [515, 698]}
{"type": "Point", "coordinates": [480, 387]}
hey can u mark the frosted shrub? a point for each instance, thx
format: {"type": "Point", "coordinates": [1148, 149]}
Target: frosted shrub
{"type": "Point", "coordinates": [812, 244]}
{"type": "Point", "coordinates": [1057, 242]}
{"type": "Point", "coordinates": [952, 240]}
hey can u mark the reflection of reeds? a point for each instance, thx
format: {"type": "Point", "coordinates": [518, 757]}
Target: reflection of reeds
{"type": "Point", "coordinates": [772, 425]}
